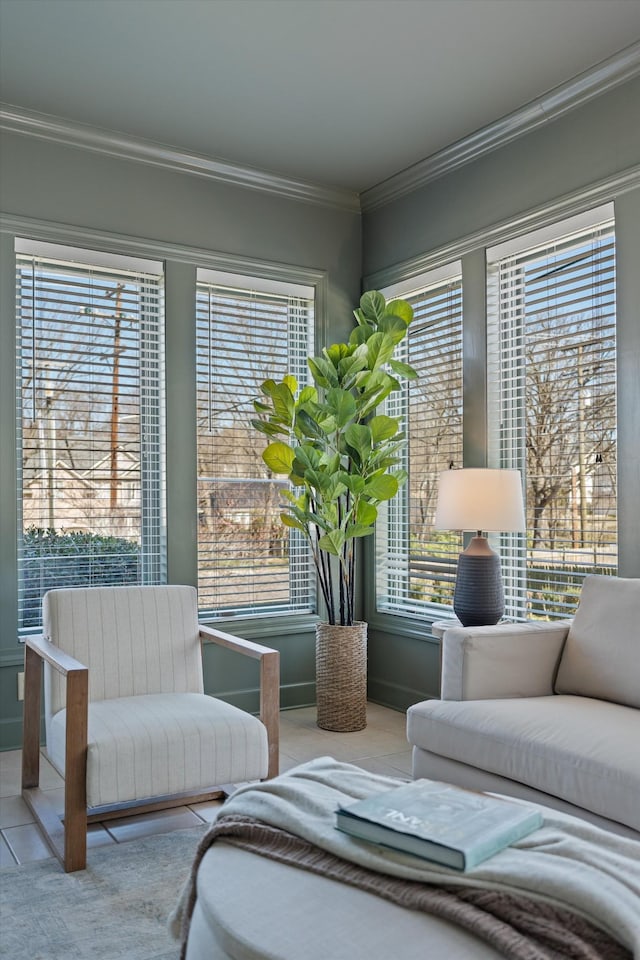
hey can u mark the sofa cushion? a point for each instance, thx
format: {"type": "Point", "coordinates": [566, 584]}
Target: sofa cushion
{"type": "Point", "coordinates": [164, 744]}
{"type": "Point", "coordinates": [601, 657]}
{"type": "Point", "coordinates": [582, 750]}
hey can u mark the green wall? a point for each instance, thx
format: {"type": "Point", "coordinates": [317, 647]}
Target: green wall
{"type": "Point", "coordinates": [591, 152]}
{"type": "Point", "coordinates": [181, 219]}
{"type": "Point", "coordinates": [90, 193]}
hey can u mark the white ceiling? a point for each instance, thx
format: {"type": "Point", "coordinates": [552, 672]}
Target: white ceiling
{"type": "Point", "coordinates": [340, 93]}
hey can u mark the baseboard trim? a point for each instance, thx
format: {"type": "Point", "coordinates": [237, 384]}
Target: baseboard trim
{"type": "Point", "coordinates": [11, 733]}
{"type": "Point", "coordinates": [394, 695]}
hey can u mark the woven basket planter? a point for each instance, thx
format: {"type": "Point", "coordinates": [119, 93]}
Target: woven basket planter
{"type": "Point", "coordinates": [341, 677]}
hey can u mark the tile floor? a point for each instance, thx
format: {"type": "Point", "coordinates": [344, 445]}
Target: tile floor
{"type": "Point", "coordinates": [381, 748]}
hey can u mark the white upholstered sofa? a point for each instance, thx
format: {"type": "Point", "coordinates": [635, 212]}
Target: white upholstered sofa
{"type": "Point", "coordinates": [544, 711]}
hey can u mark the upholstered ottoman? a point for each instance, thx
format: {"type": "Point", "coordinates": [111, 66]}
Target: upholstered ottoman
{"type": "Point", "coordinates": [249, 907]}
{"type": "Point", "coordinates": [273, 879]}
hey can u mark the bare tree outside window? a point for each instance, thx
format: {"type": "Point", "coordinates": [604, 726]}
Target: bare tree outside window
{"type": "Point", "coordinates": [84, 337]}
{"type": "Point", "coordinates": [248, 561]}
{"type": "Point", "coordinates": [416, 564]}
{"type": "Point", "coordinates": [554, 396]}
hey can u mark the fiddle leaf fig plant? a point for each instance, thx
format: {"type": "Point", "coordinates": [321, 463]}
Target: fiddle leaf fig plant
{"type": "Point", "coordinates": [340, 455]}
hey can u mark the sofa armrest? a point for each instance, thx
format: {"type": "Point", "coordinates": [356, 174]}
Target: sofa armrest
{"type": "Point", "coordinates": [505, 660]}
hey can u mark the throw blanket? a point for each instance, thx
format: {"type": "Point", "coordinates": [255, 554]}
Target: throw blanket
{"type": "Point", "coordinates": [569, 890]}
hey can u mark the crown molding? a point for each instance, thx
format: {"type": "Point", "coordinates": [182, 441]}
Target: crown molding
{"type": "Point", "coordinates": [73, 235]}
{"type": "Point", "coordinates": [560, 208]}
{"type": "Point", "coordinates": [44, 126]}
{"type": "Point", "coordinates": [586, 86]}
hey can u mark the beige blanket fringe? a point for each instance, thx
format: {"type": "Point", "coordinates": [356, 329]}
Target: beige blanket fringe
{"type": "Point", "coordinates": [520, 927]}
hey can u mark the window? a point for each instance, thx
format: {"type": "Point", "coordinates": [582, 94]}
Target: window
{"type": "Point", "coordinates": [416, 564]}
{"type": "Point", "coordinates": [248, 330]}
{"type": "Point", "coordinates": [90, 422]}
{"type": "Point", "coordinates": [552, 395]}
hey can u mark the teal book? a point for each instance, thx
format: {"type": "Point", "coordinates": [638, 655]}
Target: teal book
{"type": "Point", "coordinates": [439, 822]}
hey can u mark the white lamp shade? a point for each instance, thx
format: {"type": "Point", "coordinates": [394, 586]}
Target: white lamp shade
{"type": "Point", "coordinates": [480, 499]}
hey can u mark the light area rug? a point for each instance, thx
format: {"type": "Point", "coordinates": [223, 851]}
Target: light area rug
{"type": "Point", "coordinates": [116, 909]}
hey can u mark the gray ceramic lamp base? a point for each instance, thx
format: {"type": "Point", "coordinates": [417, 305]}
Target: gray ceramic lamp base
{"type": "Point", "coordinates": [478, 598]}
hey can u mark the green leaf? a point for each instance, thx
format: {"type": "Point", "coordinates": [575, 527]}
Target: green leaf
{"type": "Point", "coordinates": [283, 402]}
{"type": "Point", "coordinates": [358, 437]}
{"type": "Point", "coordinates": [271, 429]}
{"type": "Point", "coordinates": [383, 428]}
{"type": "Point", "coordinates": [366, 513]}
{"type": "Point", "coordinates": [332, 463]}
{"type": "Point", "coordinates": [307, 395]}
{"type": "Point", "coordinates": [361, 333]}
{"type": "Point", "coordinates": [394, 327]}
{"type": "Point", "coordinates": [267, 386]}
{"type": "Point", "coordinates": [322, 372]}
{"type": "Point", "coordinates": [307, 425]}
{"type": "Point", "coordinates": [380, 349]}
{"type": "Point", "coordinates": [375, 397]}
{"type": "Point", "coordinates": [290, 381]}
{"type": "Point", "coordinates": [402, 309]}
{"type": "Point", "coordinates": [354, 483]}
{"type": "Point", "coordinates": [336, 490]}
{"type": "Point", "coordinates": [279, 457]}
{"type": "Point", "coordinates": [336, 352]}
{"type": "Point", "coordinates": [332, 542]}
{"type": "Point", "coordinates": [290, 521]}
{"type": "Point", "coordinates": [351, 365]}
{"type": "Point", "coordinates": [383, 487]}
{"type": "Point", "coordinates": [306, 457]}
{"type": "Point", "coordinates": [318, 480]}
{"type": "Point", "coordinates": [342, 405]}
{"type": "Point", "coordinates": [401, 476]}
{"type": "Point", "coordinates": [357, 530]}
{"type": "Point", "coordinates": [403, 369]}
{"type": "Point", "coordinates": [372, 304]}
{"type": "Point", "coordinates": [386, 451]}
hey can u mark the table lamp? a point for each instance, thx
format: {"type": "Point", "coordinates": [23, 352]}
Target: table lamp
{"type": "Point", "coordinates": [481, 500]}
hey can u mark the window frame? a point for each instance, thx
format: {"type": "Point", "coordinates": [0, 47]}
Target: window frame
{"type": "Point", "coordinates": [81, 264]}
{"type": "Point", "coordinates": [284, 284]}
{"type": "Point", "coordinates": [517, 556]}
{"type": "Point", "coordinates": [393, 581]}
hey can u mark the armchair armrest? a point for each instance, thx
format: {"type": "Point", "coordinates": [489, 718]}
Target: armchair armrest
{"type": "Point", "coordinates": [48, 651]}
{"type": "Point", "coordinates": [69, 845]}
{"type": "Point", "coordinates": [505, 660]}
{"type": "Point", "coordinates": [269, 683]}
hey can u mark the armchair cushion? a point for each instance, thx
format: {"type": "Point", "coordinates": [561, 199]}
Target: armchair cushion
{"type": "Point", "coordinates": [581, 750]}
{"type": "Point", "coordinates": [601, 657]}
{"type": "Point", "coordinates": [133, 639]}
{"type": "Point", "coordinates": [157, 745]}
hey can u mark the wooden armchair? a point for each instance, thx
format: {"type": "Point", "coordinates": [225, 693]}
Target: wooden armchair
{"type": "Point", "coordinates": [127, 721]}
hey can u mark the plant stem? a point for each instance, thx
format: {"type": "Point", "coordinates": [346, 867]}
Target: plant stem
{"type": "Point", "coordinates": [326, 563]}
{"type": "Point", "coordinates": [318, 561]}
{"type": "Point", "coordinates": [352, 574]}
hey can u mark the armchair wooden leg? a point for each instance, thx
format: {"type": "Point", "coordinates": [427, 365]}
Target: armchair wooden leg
{"type": "Point", "coordinates": [68, 844]}
{"type": "Point", "coordinates": [31, 719]}
{"type": "Point", "coordinates": [75, 793]}
{"type": "Point", "coordinates": [270, 707]}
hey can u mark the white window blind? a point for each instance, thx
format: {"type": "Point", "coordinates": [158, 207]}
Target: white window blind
{"type": "Point", "coordinates": [416, 564]}
{"type": "Point", "coordinates": [552, 394]}
{"type": "Point", "coordinates": [248, 331]}
{"type": "Point", "coordinates": [90, 422]}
